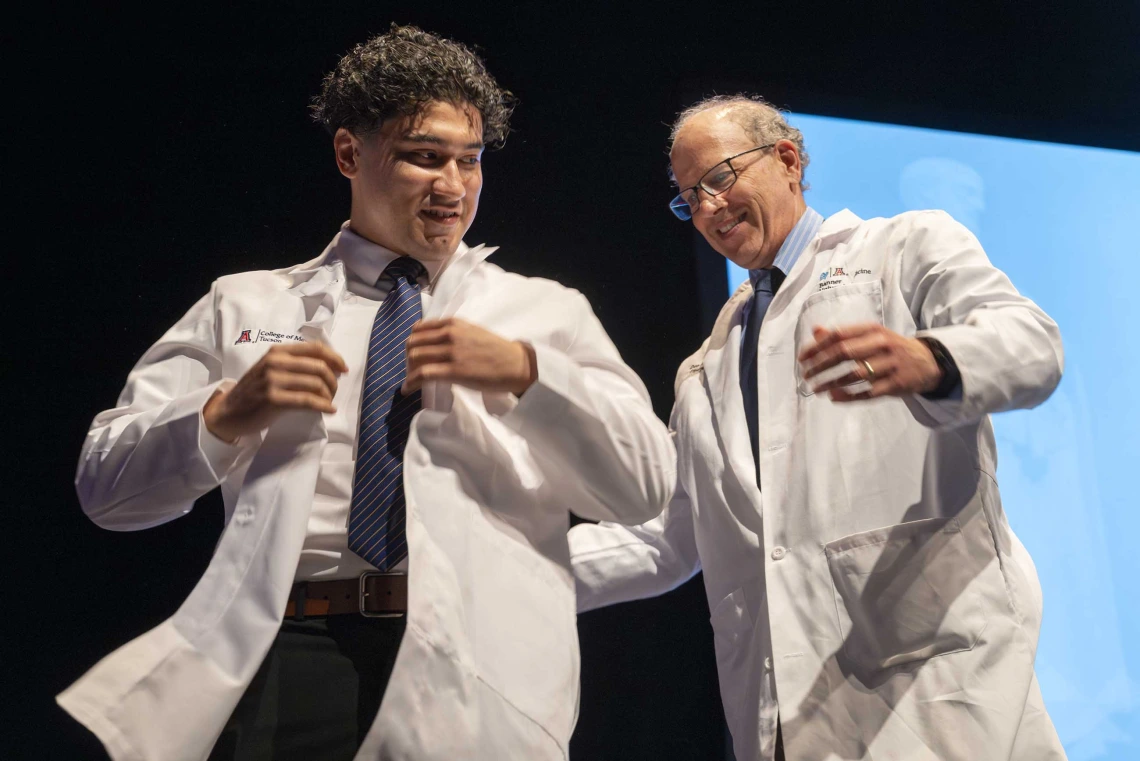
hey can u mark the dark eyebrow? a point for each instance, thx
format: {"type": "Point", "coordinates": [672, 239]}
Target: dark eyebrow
{"type": "Point", "coordinates": [425, 137]}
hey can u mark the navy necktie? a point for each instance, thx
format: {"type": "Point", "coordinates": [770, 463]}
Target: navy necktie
{"type": "Point", "coordinates": [377, 517]}
{"type": "Point", "coordinates": [765, 290]}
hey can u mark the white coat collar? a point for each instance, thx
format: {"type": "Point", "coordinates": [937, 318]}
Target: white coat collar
{"type": "Point", "coordinates": [321, 283]}
{"type": "Point", "coordinates": [838, 225]}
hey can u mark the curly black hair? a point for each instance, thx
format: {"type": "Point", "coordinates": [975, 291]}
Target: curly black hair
{"type": "Point", "coordinates": [399, 73]}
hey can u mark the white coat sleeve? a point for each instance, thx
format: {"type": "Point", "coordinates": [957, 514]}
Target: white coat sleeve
{"type": "Point", "coordinates": [588, 419]}
{"type": "Point", "coordinates": [148, 459]}
{"type": "Point", "coordinates": [1007, 349]}
{"type": "Point", "coordinates": [614, 563]}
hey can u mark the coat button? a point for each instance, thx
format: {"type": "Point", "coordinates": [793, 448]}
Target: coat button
{"type": "Point", "coordinates": [778, 553]}
{"type": "Point", "coordinates": [768, 663]}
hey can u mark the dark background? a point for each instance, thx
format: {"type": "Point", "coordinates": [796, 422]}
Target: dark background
{"type": "Point", "coordinates": [151, 150]}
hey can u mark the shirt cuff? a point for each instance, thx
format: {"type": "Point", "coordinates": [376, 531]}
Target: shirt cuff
{"type": "Point", "coordinates": [221, 456]}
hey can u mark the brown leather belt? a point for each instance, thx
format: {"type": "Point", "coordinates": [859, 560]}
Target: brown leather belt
{"type": "Point", "coordinates": [373, 595]}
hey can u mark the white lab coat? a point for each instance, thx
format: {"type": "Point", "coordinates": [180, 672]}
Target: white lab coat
{"type": "Point", "coordinates": [488, 667]}
{"type": "Point", "coordinates": [873, 594]}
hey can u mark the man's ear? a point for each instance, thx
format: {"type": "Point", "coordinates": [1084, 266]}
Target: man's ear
{"type": "Point", "coordinates": [789, 156]}
{"type": "Point", "coordinates": [347, 148]}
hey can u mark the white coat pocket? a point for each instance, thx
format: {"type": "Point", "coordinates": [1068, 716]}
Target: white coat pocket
{"type": "Point", "coordinates": [842, 305]}
{"type": "Point", "coordinates": [522, 629]}
{"type": "Point", "coordinates": [732, 627]}
{"type": "Point", "coordinates": [904, 593]}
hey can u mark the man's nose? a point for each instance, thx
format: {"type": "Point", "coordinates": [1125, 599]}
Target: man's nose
{"type": "Point", "coordinates": [449, 183]}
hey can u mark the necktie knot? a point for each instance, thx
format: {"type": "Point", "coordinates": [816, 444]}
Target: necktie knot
{"type": "Point", "coordinates": [767, 280]}
{"type": "Point", "coordinates": [778, 278]}
{"type": "Point", "coordinates": [403, 268]}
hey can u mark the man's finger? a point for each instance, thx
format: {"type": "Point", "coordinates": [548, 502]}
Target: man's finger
{"type": "Point", "coordinates": [299, 400]}
{"type": "Point", "coordinates": [422, 355]}
{"type": "Point", "coordinates": [301, 382]}
{"type": "Point", "coordinates": [866, 346]}
{"type": "Point", "coordinates": [423, 325]}
{"type": "Point", "coordinates": [325, 352]}
{"type": "Point", "coordinates": [309, 365]}
{"type": "Point", "coordinates": [832, 336]}
{"type": "Point", "coordinates": [437, 335]}
{"type": "Point", "coordinates": [879, 370]}
{"type": "Point", "coordinates": [823, 339]}
{"type": "Point", "coordinates": [880, 387]}
{"type": "Point", "coordinates": [444, 371]}
{"type": "Point", "coordinates": [846, 379]}
{"type": "Point", "coordinates": [318, 350]}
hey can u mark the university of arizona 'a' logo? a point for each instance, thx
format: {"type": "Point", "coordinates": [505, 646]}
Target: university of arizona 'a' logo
{"type": "Point", "coordinates": [244, 338]}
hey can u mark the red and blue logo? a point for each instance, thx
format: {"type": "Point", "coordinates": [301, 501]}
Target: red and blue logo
{"type": "Point", "coordinates": [244, 338]}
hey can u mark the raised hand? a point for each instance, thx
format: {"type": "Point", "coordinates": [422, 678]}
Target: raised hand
{"type": "Point", "coordinates": [288, 377]}
{"type": "Point", "coordinates": [455, 351]}
{"type": "Point", "coordinates": [892, 364]}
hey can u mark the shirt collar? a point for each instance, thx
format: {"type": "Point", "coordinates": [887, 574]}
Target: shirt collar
{"type": "Point", "coordinates": [798, 239]}
{"type": "Point", "coordinates": [365, 261]}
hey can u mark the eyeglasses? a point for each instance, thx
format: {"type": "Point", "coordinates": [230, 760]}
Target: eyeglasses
{"type": "Point", "coordinates": [714, 182]}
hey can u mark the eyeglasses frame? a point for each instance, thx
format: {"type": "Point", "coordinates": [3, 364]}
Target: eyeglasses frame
{"type": "Point", "coordinates": [676, 209]}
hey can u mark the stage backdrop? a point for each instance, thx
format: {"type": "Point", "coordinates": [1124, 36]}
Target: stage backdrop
{"type": "Point", "coordinates": [1062, 222]}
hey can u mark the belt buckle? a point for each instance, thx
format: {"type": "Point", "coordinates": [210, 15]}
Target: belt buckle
{"type": "Point", "coordinates": [362, 594]}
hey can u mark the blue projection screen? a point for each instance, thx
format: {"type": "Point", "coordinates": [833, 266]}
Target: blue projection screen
{"type": "Point", "coordinates": [1062, 222]}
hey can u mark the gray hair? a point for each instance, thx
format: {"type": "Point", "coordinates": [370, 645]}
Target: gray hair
{"type": "Point", "coordinates": [763, 122]}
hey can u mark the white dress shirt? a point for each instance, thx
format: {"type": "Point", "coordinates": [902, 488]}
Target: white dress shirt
{"type": "Point", "coordinates": [325, 554]}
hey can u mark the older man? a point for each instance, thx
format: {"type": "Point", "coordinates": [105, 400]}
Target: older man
{"type": "Point", "coordinates": [397, 489]}
{"type": "Point", "coordinates": [837, 470]}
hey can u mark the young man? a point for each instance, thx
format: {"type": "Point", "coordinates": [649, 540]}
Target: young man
{"type": "Point", "coordinates": [400, 430]}
{"type": "Point", "coordinates": [837, 470]}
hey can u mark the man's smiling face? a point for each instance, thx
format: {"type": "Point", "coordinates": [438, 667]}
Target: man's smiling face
{"type": "Point", "coordinates": [416, 181]}
{"type": "Point", "coordinates": [748, 222]}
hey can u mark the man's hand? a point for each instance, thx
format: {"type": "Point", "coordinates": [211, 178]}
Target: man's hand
{"type": "Point", "coordinates": [893, 364]}
{"type": "Point", "coordinates": [289, 377]}
{"type": "Point", "coordinates": [455, 351]}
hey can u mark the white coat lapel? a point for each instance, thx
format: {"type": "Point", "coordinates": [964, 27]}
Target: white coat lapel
{"type": "Point", "coordinates": [447, 296]}
{"type": "Point", "coordinates": [722, 376]}
{"type": "Point", "coordinates": [321, 289]}
{"type": "Point", "coordinates": [449, 292]}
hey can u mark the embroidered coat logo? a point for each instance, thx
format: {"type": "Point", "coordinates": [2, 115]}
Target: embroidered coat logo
{"type": "Point", "coordinates": [267, 336]}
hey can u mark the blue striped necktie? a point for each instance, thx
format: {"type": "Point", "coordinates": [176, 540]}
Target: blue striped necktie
{"type": "Point", "coordinates": [377, 516]}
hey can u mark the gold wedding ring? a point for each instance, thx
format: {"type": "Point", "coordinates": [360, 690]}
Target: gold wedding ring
{"type": "Point", "coordinates": [870, 370]}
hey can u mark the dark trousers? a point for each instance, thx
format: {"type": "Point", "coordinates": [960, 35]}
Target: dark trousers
{"type": "Point", "coordinates": [316, 693]}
